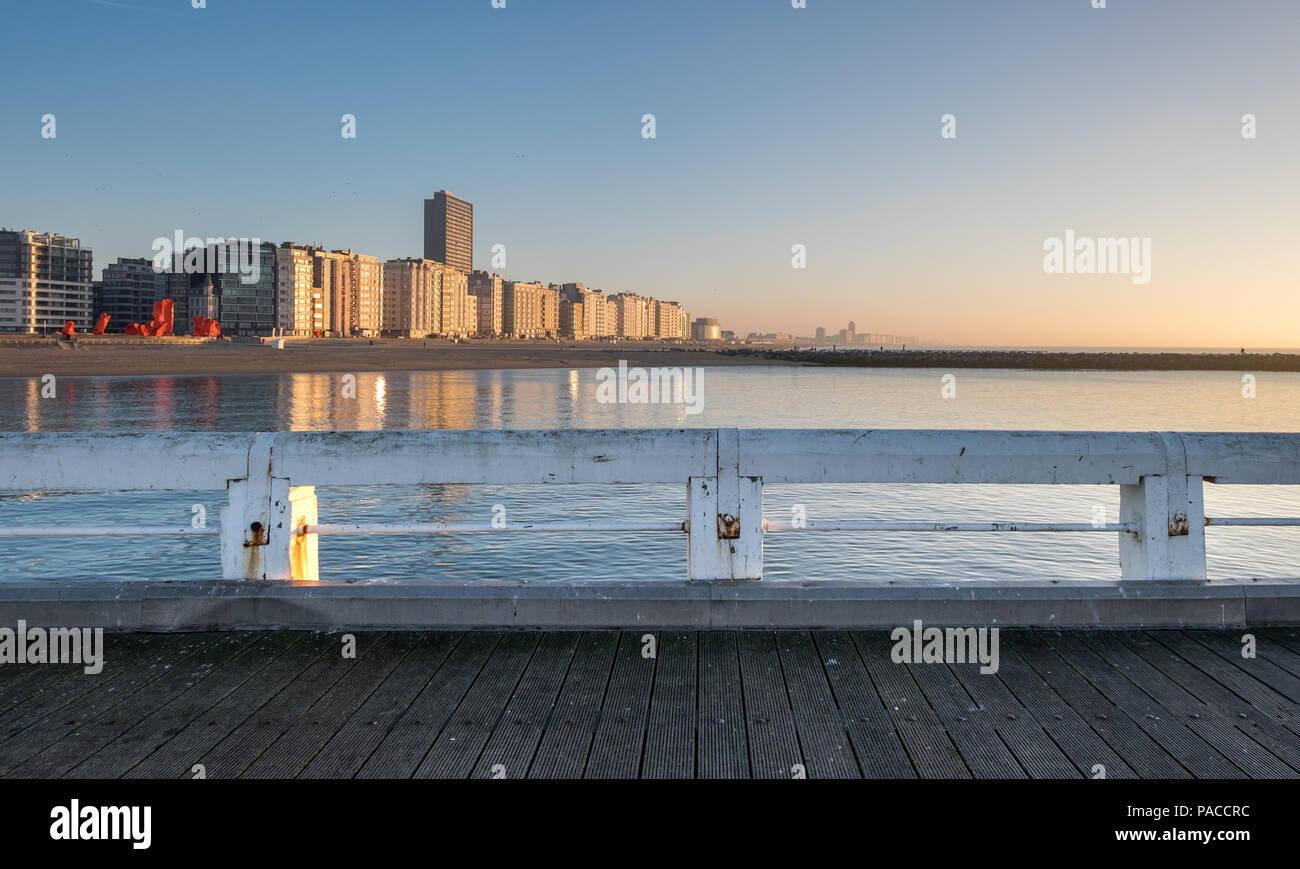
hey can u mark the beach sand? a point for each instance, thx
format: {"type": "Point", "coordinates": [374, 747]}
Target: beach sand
{"type": "Point", "coordinates": [146, 356]}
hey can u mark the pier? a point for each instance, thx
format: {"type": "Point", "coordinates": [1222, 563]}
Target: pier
{"type": "Point", "coordinates": [270, 534]}
{"type": "Point", "coordinates": [1168, 704]}
{"type": "Point", "coordinates": [266, 671]}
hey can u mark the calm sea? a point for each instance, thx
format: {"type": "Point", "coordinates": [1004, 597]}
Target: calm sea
{"type": "Point", "coordinates": [772, 397]}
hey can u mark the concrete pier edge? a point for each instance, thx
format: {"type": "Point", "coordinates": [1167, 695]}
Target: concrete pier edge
{"type": "Point", "coordinates": [193, 605]}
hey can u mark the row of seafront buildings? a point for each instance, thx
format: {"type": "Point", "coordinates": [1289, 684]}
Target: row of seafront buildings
{"type": "Point", "coordinates": [296, 289]}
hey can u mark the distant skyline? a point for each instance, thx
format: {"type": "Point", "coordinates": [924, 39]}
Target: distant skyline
{"type": "Point", "coordinates": [774, 127]}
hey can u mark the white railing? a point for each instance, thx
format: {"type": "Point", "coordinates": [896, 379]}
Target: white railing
{"type": "Point", "coordinates": [270, 530]}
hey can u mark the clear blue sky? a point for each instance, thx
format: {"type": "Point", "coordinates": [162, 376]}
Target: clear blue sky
{"type": "Point", "coordinates": [776, 126]}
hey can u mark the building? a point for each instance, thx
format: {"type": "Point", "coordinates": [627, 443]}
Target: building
{"type": "Point", "coordinates": [244, 304]}
{"type": "Point", "coordinates": [550, 311]}
{"type": "Point", "coordinates": [412, 298]}
{"type": "Point", "coordinates": [449, 231]}
{"type": "Point", "coordinates": [633, 315]}
{"type": "Point", "coordinates": [821, 335]}
{"type": "Point", "coordinates": [469, 317]}
{"type": "Point", "coordinates": [486, 288]}
{"type": "Point", "coordinates": [706, 329]}
{"type": "Point", "coordinates": [330, 273]}
{"type": "Point", "coordinates": [670, 320]}
{"type": "Point", "coordinates": [571, 319]}
{"type": "Point", "coordinates": [301, 306]}
{"type": "Point", "coordinates": [594, 323]}
{"type": "Point", "coordinates": [128, 291]}
{"type": "Point", "coordinates": [454, 286]}
{"type": "Point", "coordinates": [521, 309]}
{"type": "Point", "coordinates": [46, 279]}
{"type": "Point", "coordinates": [365, 288]}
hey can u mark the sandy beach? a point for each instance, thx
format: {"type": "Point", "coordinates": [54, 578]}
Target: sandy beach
{"type": "Point", "coordinates": [116, 356]}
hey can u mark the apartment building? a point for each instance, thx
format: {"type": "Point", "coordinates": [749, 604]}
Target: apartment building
{"type": "Point", "coordinates": [670, 320]}
{"type": "Point", "coordinates": [486, 288]}
{"type": "Point", "coordinates": [632, 314]}
{"type": "Point", "coordinates": [46, 279]}
{"type": "Point", "coordinates": [449, 231]}
{"type": "Point", "coordinates": [456, 319]}
{"type": "Point", "coordinates": [550, 312]}
{"type": "Point", "coordinates": [127, 291]}
{"type": "Point", "coordinates": [412, 298]}
{"type": "Point", "coordinates": [302, 308]}
{"type": "Point", "coordinates": [521, 309]}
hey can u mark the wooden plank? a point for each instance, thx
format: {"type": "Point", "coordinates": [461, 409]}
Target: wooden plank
{"type": "Point", "coordinates": [306, 736]}
{"type": "Point", "coordinates": [1238, 747]}
{"type": "Point", "coordinates": [50, 685]}
{"type": "Point", "coordinates": [827, 751]}
{"type": "Point", "coordinates": [351, 745]}
{"type": "Point", "coordinates": [1196, 755]}
{"type": "Point", "coordinates": [454, 752]}
{"type": "Point", "coordinates": [879, 751]}
{"type": "Point", "coordinates": [774, 750]}
{"type": "Point", "coordinates": [567, 742]}
{"type": "Point", "coordinates": [1257, 705]}
{"type": "Point", "coordinates": [402, 749]}
{"type": "Point", "coordinates": [933, 753]}
{"type": "Point", "coordinates": [232, 755]}
{"type": "Point", "coordinates": [193, 658]}
{"type": "Point", "coordinates": [1143, 754]}
{"type": "Point", "coordinates": [1275, 645]}
{"type": "Point", "coordinates": [620, 736]}
{"type": "Point", "coordinates": [1283, 637]}
{"type": "Point", "coordinates": [1066, 727]}
{"type": "Point", "coordinates": [55, 724]}
{"type": "Point", "coordinates": [509, 752]}
{"type": "Point", "coordinates": [670, 731]}
{"type": "Point", "coordinates": [1283, 689]}
{"type": "Point", "coordinates": [1034, 750]}
{"type": "Point", "coordinates": [971, 725]}
{"type": "Point", "coordinates": [68, 690]}
{"type": "Point", "coordinates": [722, 749]}
{"type": "Point", "coordinates": [117, 757]}
{"type": "Point", "coordinates": [1220, 701]}
{"type": "Point", "coordinates": [177, 757]}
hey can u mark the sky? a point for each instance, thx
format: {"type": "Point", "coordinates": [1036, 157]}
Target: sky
{"type": "Point", "coordinates": [775, 126]}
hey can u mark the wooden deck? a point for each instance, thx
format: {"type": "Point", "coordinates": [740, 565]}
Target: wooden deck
{"type": "Point", "coordinates": [1158, 704]}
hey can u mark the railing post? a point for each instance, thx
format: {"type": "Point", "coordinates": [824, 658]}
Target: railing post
{"type": "Point", "coordinates": [1169, 512]}
{"type": "Point", "coordinates": [260, 524]}
{"type": "Point", "coordinates": [725, 514]}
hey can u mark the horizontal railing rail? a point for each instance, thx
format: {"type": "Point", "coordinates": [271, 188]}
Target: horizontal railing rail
{"type": "Point", "coordinates": [270, 529]}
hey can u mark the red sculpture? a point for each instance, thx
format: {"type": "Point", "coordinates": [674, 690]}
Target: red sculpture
{"type": "Point", "coordinates": [206, 328]}
{"type": "Point", "coordinates": [69, 328]}
{"type": "Point", "coordinates": [162, 318]}
{"type": "Point", "coordinates": [101, 324]}
{"type": "Point", "coordinates": [160, 325]}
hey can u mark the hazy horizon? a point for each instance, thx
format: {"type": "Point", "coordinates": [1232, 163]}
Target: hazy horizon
{"type": "Point", "coordinates": [774, 127]}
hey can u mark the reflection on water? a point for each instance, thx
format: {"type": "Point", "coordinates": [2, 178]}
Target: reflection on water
{"type": "Point", "coordinates": [779, 397]}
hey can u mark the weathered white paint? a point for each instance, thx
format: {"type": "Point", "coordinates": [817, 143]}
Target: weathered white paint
{"type": "Point", "coordinates": [489, 528]}
{"type": "Point", "coordinates": [269, 526]}
{"type": "Point", "coordinates": [778, 525]}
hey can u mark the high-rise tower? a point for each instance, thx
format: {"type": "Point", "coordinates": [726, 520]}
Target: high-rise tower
{"type": "Point", "coordinates": [449, 231]}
